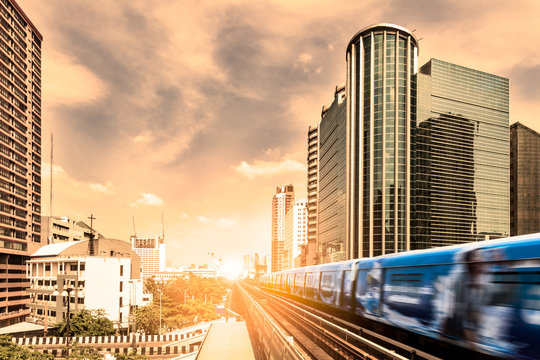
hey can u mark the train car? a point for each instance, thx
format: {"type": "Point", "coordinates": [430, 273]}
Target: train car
{"type": "Point", "coordinates": [483, 295]}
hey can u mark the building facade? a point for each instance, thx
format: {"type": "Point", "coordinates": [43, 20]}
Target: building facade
{"type": "Point", "coordinates": [462, 154]}
{"type": "Point", "coordinates": [524, 180]}
{"type": "Point", "coordinates": [332, 174]}
{"type": "Point", "coordinates": [57, 229]}
{"type": "Point", "coordinates": [20, 156]}
{"type": "Point", "coordinates": [281, 203]}
{"type": "Point", "coordinates": [311, 252]}
{"type": "Point", "coordinates": [110, 280]}
{"type": "Point", "coordinates": [152, 254]}
{"type": "Point", "coordinates": [381, 117]}
{"type": "Point", "coordinates": [295, 234]}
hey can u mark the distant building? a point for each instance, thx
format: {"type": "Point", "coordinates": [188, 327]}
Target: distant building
{"type": "Point", "coordinates": [20, 156]}
{"type": "Point", "coordinates": [462, 156]}
{"type": "Point", "coordinates": [171, 274]}
{"type": "Point", "coordinates": [62, 228]}
{"type": "Point", "coordinates": [152, 254]}
{"type": "Point", "coordinates": [249, 263]}
{"type": "Point", "coordinates": [281, 203]}
{"type": "Point", "coordinates": [110, 280]}
{"type": "Point", "coordinates": [332, 177]}
{"type": "Point", "coordinates": [311, 250]}
{"type": "Point", "coordinates": [524, 180]}
{"type": "Point", "coordinates": [295, 234]}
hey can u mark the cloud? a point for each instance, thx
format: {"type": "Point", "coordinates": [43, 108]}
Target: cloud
{"type": "Point", "coordinates": [220, 222]}
{"type": "Point", "coordinates": [266, 168]}
{"type": "Point", "coordinates": [106, 188]}
{"type": "Point", "coordinates": [147, 199]}
{"type": "Point", "coordinates": [74, 84]}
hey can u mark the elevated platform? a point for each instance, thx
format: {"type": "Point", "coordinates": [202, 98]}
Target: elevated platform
{"type": "Point", "coordinates": [227, 340]}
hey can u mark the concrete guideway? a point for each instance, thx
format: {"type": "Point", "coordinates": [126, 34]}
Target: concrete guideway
{"type": "Point", "coordinates": [227, 340]}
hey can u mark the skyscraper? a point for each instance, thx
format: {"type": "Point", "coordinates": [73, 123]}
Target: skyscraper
{"type": "Point", "coordinates": [462, 184]}
{"type": "Point", "coordinates": [295, 234]}
{"type": "Point", "coordinates": [524, 180]}
{"type": "Point", "coordinates": [332, 209]}
{"type": "Point", "coordinates": [20, 156]}
{"type": "Point", "coordinates": [312, 191]}
{"type": "Point", "coordinates": [152, 254]}
{"type": "Point", "coordinates": [281, 203]}
{"type": "Point", "coordinates": [381, 117]}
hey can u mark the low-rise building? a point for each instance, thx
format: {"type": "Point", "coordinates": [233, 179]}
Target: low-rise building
{"type": "Point", "coordinates": [109, 280]}
{"type": "Point", "coordinates": [56, 229]}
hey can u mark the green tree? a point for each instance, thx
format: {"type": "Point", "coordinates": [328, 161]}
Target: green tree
{"type": "Point", "coordinates": [86, 323]}
{"type": "Point", "coordinates": [131, 356]}
{"type": "Point", "coordinates": [9, 350]}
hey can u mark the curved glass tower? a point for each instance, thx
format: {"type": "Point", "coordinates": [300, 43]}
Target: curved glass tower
{"type": "Point", "coordinates": [381, 118]}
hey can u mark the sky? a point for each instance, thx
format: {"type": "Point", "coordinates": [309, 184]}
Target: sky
{"type": "Point", "coordinates": [199, 109]}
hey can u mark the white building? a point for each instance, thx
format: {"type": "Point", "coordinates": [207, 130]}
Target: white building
{"type": "Point", "coordinates": [295, 234]}
{"type": "Point", "coordinates": [56, 229]}
{"type": "Point", "coordinates": [109, 280]}
{"type": "Point", "coordinates": [152, 254]}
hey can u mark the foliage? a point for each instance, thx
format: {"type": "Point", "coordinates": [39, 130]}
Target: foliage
{"type": "Point", "coordinates": [86, 323]}
{"type": "Point", "coordinates": [82, 353]}
{"type": "Point", "coordinates": [184, 302]}
{"type": "Point", "coordinates": [10, 350]}
{"type": "Point", "coordinates": [131, 356]}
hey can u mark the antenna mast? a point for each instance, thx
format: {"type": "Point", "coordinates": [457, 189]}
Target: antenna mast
{"type": "Point", "coordinates": [134, 230]}
{"type": "Point", "coordinates": [163, 229]}
{"type": "Point", "coordinates": [50, 193]}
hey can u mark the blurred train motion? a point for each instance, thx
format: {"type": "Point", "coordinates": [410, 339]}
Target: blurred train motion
{"type": "Point", "coordinates": [484, 295]}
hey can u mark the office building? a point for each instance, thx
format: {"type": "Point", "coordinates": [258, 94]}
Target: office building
{"type": "Point", "coordinates": [381, 117]}
{"type": "Point", "coordinates": [524, 180]}
{"type": "Point", "coordinates": [310, 252]}
{"type": "Point", "coordinates": [332, 175]}
{"type": "Point", "coordinates": [281, 203]}
{"type": "Point", "coordinates": [57, 229]}
{"type": "Point", "coordinates": [295, 234]}
{"type": "Point", "coordinates": [109, 280]}
{"type": "Point", "coordinates": [152, 254]}
{"type": "Point", "coordinates": [462, 153]}
{"type": "Point", "coordinates": [20, 156]}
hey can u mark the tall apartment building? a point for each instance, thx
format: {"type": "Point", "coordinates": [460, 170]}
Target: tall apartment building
{"type": "Point", "coordinates": [296, 221]}
{"type": "Point", "coordinates": [462, 154]}
{"type": "Point", "coordinates": [381, 118]}
{"type": "Point", "coordinates": [311, 252]}
{"type": "Point", "coordinates": [57, 229]}
{"type": "Point", "coordinates": [524, 180]}
{"type": "Point", "coordinates": [332, 174]}
{"type": "Point", "coordinates": [152, 254]}
{"type": "Point", "coordinates": [20, 156]}
{"type": "Point", "coordinates": [281, 203]}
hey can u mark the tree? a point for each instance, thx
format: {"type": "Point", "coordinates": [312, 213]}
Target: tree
{"type": "Point", "coordinates": [86, 323]}
{"type": "Point", "coordinates": [131, 356]}
{"type": "Point", "coordinates": [10, 350]}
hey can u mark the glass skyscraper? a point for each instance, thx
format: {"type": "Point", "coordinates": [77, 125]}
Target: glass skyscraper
{"type": "Point", "coordinates": [462, 153]}
{"type": "Point", "coordinates": [381, 118]}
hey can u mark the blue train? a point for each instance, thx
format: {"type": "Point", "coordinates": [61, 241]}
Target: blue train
{"type": "Point", "coordinates": [484, 296]}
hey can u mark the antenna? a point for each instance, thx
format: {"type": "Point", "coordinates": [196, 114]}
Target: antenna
{"type": "Point", "coordinates": [163, 229]}
{"type": "Point", "coordinates": [49, 225]}
{"type": "Point", "coordinates": [134, 230]}
{"type": "Point", "coordinates": [91, 250]}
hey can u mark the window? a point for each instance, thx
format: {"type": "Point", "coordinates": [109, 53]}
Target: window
{"type": "Point", "coordinates": [82, 266]}
{"type": "Point", "coordinates": [121, 270]}
{"type": "Point", "coordinates": [121, 286]}
{"type": "Point", "coordinates": [121, 301]}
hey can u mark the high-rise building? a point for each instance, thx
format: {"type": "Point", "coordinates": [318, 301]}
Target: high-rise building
{"type": "Point", "coordinates": [281, 203]}
{"type": "Point", "coordinates": [524, 180]}
{"type": "Point", "coordinates": [152, 254]}
{"type": "Point", "coordinates": [311, 253]}
{"type": "Point", "coordinates": [332, 174]}
{"type": "Point", "coordinates": [381, 118]}
{"type": "Point", "coordinates": [295, 234]}
{"type": "Point", "coordinates": [462, 153]}
{"type": "Point", "coordinates": [20, 156]}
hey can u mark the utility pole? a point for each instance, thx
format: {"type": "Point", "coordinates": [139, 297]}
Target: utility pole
{"type": "Point", "coordinates": [49, 225]}
{"type": "Point", "coordinates": [91, 250]}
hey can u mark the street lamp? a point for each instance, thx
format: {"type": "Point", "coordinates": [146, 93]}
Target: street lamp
{"type": "Point", "coordinates": [66, 292]}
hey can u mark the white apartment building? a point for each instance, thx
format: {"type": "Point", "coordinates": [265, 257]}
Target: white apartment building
{"type": "Point", "coordinates": [296, 222]}
{"type": "Point", "coordinates": [109, 280]}
{"type": "Point", "coordinates": [56, 229]}
{"type": "Point", "coordinates": [152, 254]}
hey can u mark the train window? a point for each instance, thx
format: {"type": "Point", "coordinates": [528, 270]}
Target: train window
{"type": "Point", "coordinates": [309, 279]}
{"type": "Point", "coordinates": [299, 280]}
{"type": "Point", "coordinates": [327, 283]}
